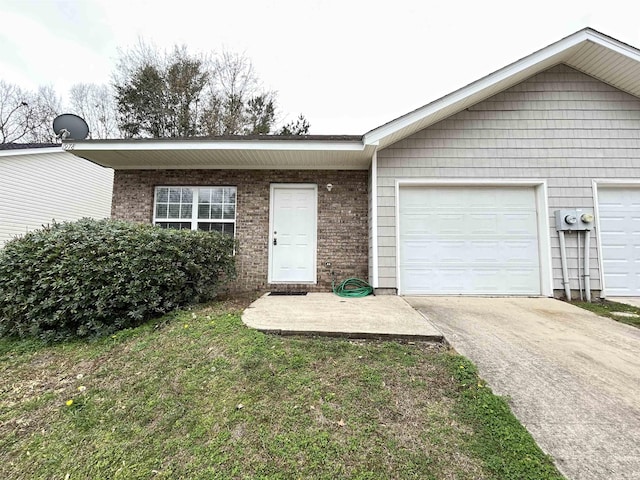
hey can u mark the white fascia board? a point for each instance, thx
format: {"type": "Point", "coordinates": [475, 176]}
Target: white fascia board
{"type": "Point", "coordinates": [30, 151]}
{"type": "Point", "coordinates": [613, 44]}
{"type": "Point", "coordinates": [556, 50]}
{"type": "Point", "coordinates": [295, 145]}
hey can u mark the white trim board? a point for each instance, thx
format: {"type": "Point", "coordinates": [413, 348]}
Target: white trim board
{"type": "Point", "coordinates": [374, 218]}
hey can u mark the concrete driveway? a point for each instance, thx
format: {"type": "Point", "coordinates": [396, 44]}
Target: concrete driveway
{"type": "Point", "coordinates": [572, 377]}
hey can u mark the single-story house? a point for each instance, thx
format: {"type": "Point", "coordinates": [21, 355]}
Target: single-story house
{"type": "Point", "coordinates": [40, 183]}
{"type": "Point", "coordinates": [456, 197]}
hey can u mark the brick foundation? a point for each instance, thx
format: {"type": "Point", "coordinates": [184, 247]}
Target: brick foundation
{"type": "Point", "coordinates": [342, 216]}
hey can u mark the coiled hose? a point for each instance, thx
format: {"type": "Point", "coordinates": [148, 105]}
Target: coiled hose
{"type": "Point", "coordinates": [352, 287]}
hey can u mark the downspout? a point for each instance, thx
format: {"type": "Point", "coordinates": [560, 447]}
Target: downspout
{"type": "Point", "coordinates": [374, 217]}
{"type": "Point", "coordinates": [563, 261]}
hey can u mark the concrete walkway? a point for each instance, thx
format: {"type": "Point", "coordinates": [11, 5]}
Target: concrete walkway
{"type": "Point", "coordinates": [329, 315]}
{"type": "Point", "coordinates": [572, 377]}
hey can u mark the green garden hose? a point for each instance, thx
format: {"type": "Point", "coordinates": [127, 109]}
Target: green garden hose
{"type": "Point", "coordinates": [352, 287]}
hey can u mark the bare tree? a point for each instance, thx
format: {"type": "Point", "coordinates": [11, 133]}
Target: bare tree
{"type": "Point", "coordinates": [96, 104]}
{"type": "Point", "coordinates": [236, 99]}
{"type": "Point", "coordinates": [179, 94]}
{"type": "Point", "coordinates": [27, 116]}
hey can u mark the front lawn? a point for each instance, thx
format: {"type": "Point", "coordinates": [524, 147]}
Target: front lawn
{"type": "Point", "coordinates": [198, 395]}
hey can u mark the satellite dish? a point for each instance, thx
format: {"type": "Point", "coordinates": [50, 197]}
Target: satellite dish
{"type": "Point", "coordinates": [70, 126]}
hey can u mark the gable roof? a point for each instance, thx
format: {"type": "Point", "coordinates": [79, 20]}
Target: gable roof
{"type": "Point", "coordinates": [587, 50]}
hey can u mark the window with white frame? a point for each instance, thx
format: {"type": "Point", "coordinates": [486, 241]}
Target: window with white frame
{"type": "Point", "coordinates": [196, 208]}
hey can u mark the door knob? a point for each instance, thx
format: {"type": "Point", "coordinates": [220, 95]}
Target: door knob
{"type": "Point", "coordinates": [275, 241]}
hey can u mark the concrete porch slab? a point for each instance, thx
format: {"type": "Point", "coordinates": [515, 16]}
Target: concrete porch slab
{"type": "Point", "coordinates": [326, 314]}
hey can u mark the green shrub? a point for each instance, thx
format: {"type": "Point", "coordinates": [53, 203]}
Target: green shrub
{"type": "Point", "coordinates": [91, 278]}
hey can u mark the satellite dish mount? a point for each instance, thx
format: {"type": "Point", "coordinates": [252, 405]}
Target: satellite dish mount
{"type": "Point", "coordinates": [70, 127]}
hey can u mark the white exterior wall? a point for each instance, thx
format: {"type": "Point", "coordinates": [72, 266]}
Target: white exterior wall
{"type": "Point", "coordinates": [561, 126]}
{"type": "Point", "coordinates": [40, 185]}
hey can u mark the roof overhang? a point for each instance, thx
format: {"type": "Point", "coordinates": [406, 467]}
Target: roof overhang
{"type": "Point", "coordinates": [588, 51]}
{"type": "Point", "coordinates": [312, 152]}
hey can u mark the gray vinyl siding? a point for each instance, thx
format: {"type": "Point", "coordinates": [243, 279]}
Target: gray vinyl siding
{"type": "Point", "coordinates": [37, 188]}
{"type": "Point", "coordinates": [561, 126]}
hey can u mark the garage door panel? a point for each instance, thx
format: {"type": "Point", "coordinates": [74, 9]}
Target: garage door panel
{"type": "Point", "coordinates": [473, 240]}
{"type": "Point", "coordinates": [447, 280]}
{"type": "Point", "coordinates": [472, 252]}
{"type": "Point", "coordinates": [619, 223]}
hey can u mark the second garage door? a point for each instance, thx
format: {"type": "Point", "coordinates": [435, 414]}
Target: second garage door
{"type": "Point", "coordinates": [468, 240]}
{"type": "Point", "coordinates": [619, 210]}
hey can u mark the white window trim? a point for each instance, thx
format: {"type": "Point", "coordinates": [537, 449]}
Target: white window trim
{"type": "Point", "coordinates": [542, 208]}
{"type": "Point", "coordinates": [605, 183]}
{"type": "Point", "coordinates": [194, 207]}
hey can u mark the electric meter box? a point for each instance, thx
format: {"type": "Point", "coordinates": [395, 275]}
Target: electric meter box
{"type": "Point", "coordinates": [578, 220]}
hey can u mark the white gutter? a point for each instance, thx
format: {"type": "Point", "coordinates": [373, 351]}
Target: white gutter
{"type": "Point", "coordinates": [29, 151]}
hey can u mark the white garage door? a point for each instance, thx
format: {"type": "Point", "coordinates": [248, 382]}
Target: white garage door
{"type": "Point", "coordinates": [619, 210]}
{"type": "Point", "coordinates": [469, 240]}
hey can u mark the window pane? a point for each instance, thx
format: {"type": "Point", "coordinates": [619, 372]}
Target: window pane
{"type": "Point", "coordinates": [204, 195]}
{"type": "Point", "coordinates": [230, 195]}
{"type": "Point", "coordinates": [216, 211]}
{"type": "Point", "coordinates": [174, 195]}
{"type": "Point", "coordinates": [228, 228]}
{"type": "Point", "coordinates": [163, 195]}
{"type": "Point", "coordinates": [174, 210]}
{"type": "Point", "coordinates": [187, 195]}
{"type": "Point", "coordinates": [206, 227]}
{"type": "Point", "coordinates": [161, 210]}
{"type": "Point", "coordinates": [175, 225]}
{"type": "Point", "coordinates": [203, 211]}
{"type": "Point", "coordinates": [216, 195]}
{"type": "Point", "coordinates": [229, 212]}
{"type": "Point", "coordinates": [185, 211]}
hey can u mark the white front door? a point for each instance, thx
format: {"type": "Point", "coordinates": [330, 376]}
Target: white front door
{"type": "Point", "coordinates": [292, 239]}
{"type": "Point", "coordinates": [619, 211]}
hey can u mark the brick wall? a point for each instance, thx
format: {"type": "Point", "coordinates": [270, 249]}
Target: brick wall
{"type": "Point", "coordinates": [342, 216]}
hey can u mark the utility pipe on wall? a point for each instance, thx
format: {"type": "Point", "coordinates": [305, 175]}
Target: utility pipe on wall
{"type": "Point", "coordinates": [579, 273]}
{"type": "Point", "coordinates": [587, 279]}
{"type": "Point", "coordinates": [563, 261]}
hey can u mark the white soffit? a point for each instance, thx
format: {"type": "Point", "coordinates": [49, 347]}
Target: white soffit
{"type": "Point", "coordinates": [588, 51]}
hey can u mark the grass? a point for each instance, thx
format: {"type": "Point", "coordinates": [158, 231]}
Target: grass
{"type": "Point", "coordinates": [198, 395]}
{"type": "Point", "coordinates": [606, 308]}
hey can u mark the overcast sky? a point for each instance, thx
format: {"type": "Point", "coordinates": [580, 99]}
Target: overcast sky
{"type": "Point", "coordinates": [349, 66]}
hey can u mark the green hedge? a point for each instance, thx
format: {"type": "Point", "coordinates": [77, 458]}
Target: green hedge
{"type": "Point", "coordinates": [91, 278]}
